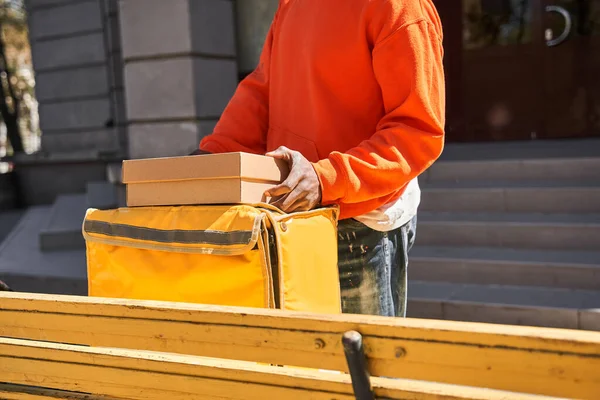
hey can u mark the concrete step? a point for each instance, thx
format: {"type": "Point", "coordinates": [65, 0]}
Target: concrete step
{"type": "Point", "coordinates": [114, 173]}
{"type": "Point", "coordinates": [63, 230]}
{"type": "Point", "coordinates": [43, 177]}
{"type": "Point", "coordinates": [493, 266]}
{"type": "Point", "coordinates": [102, 195]}
{"type": "Point", "coordinates": [27, 269]}
{"type": "Point", "coordinates": [512, 305]}
{"type": "Point", "coordinates": [541, 197]}
{"type": "Point", "coordinates": [8, 220]}
{"type": "Point", "coordinates": [510, 230]}
{"type": "Point", "coordinates": [519, 170]}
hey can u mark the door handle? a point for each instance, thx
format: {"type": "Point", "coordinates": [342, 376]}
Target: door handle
{"type": "Point", "coordinates": [568, 26]}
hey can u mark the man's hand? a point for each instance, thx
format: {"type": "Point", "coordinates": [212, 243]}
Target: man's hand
{"type": "Point", "coordinates": [301, 191]}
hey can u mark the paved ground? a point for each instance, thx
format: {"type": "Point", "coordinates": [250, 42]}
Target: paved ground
{"type": "Point", "coordinates": [8, 220]}
{"type": "Point", "coordinates": [25, 268]}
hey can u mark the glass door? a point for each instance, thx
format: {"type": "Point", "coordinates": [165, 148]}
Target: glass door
{"type": "Point", "coordinates": [502, 64]}
{"type": "Point", "coordinates": [572, 68]}
{"type": "Point", "coordinates": [522, 69]}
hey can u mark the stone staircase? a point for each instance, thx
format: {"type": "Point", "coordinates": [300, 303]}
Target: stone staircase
{"type": "Point", "coordinates": [63, 228]}
{"type": "Point", "coordinates": [514, 240]}
{"type": "Point", "coordinates": [44, 250]}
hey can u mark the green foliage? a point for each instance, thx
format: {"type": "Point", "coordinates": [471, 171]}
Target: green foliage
{"type": "Point", "coordinates": [16, 81]}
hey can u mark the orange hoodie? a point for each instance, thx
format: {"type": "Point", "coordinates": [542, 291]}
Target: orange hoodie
{"type": "Point", "coordinates": [356, 86]}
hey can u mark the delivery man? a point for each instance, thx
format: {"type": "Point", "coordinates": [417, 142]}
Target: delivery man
{"type": "Point", "coordinates": [351, 94]}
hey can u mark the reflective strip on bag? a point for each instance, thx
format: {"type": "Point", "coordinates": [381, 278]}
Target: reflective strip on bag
{"type": "Point", "coordinates": [200, 241]}
{"type": "Point", "coordinates": [168, 236]}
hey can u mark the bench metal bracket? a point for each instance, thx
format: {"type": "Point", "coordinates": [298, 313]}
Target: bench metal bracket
{"type": "Point", "coordinates": [357, 365]}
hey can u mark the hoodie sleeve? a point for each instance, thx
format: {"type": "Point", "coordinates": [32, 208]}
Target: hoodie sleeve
{"type": "Point", "coordinates": [244, 124]}
{"type": "Point", "coordinates": [410, 136]}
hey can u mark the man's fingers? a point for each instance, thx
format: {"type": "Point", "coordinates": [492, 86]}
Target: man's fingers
{"type": "Point", "coordinates": [291, 202]}
{"type": "Point", "coordinates": [282, 153]}
{"type": "Point", "coordinates": [298, 206]}
{"type": "Point", "coordinates": [292, 180]}
{"type": "Point", "coordinates": [279, 190]}
{"type": "Point", "coordinates": [297, 192]}
{"type": "Point", "coordinates": [289, 205]}
{"type": "Point", "coordinates": [286, 186]}
{"type": "Point", "coordinates": [277, 201]}
{"type": "Point", "coordinates": [297, 200]}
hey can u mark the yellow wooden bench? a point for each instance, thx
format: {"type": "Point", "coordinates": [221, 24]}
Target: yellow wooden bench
{"type": "Point", "coordinates": [58, 347]}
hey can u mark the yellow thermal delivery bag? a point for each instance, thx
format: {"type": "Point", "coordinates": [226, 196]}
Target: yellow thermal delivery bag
{"type": "Point", "coordinates": [248, 256]}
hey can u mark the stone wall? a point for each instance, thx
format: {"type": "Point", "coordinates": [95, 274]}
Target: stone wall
{"type": "Point", "coordinates": [112, 31]}
{"type": "Point", "coordinates": [180, 71]}
{"type": "Point", "coordinates": [253, 21]}
{"type": "Point", "coordinates": [76, 57]}
{"type": "Point", "coordinates": [145, 78]}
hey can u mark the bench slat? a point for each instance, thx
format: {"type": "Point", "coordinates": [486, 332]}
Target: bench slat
{"type": "Point", "coordinates": [129, 374]}
{"type": "Point", "coordinates": [520, 359]}
{"type": "Point", "coordinates": [19, 392]}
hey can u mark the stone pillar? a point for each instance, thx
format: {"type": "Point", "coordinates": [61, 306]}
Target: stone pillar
{"type": "Point", "coordinates": [254, 18]}
{"type": "Point", "coordinates": [74, 78]}
{"type": "Point", "coordinates": [112, 31]}
{"type": "Point", "coordinates": [180, 71]}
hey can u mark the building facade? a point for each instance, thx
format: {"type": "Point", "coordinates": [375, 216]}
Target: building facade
{"type": "Point", "coordinates": [522, 69]}
{"type": "Point", "coordinates": [509, 229]}
{"type": "Point", "coordinates": [139, 78]}
{"type": "Point", "coordinates": [148, 77]}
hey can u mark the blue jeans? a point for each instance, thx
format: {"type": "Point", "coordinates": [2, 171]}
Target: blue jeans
{"type": "Point", "coordinates": [373, 268]}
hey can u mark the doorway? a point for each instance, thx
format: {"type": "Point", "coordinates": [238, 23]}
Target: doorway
{"type": "Point", "coordinates": [522, 69]}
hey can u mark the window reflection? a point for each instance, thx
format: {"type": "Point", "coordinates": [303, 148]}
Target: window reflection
{"type": "Point", "coordinates": [496, 23]}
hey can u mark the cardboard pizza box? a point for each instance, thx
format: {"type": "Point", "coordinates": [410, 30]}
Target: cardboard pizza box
{"type": "Point", "coordinates": [231, 178]}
